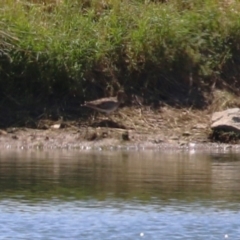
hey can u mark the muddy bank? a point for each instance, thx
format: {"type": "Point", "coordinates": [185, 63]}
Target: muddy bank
{"type": "Point", "coordinates": [71, 139]}
{"type": "Point", "coordinates": [130, 128]}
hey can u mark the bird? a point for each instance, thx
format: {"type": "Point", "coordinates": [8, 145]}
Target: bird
{"type": "Point", "coordinates": [106, 105]}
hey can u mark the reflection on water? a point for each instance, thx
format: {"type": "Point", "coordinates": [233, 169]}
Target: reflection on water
{"type": "Point", "coordinates": [119, 195]}
{"type": "Point", "coordinates": [142, 175]}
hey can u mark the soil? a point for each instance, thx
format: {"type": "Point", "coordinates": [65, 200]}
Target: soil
{"type": "Point", "coordinates": [129, 127]}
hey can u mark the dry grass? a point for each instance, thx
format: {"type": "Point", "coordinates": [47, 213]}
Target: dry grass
{"type": "Point", "coordinates": [165, 123]}
{"type": "Point", "coordinates": [223, 99]}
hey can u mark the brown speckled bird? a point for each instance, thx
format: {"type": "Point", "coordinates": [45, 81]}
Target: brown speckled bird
{"type": "Point", "coordinates": [106, 105]}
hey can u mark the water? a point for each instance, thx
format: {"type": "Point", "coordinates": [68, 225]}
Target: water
{"type": "Point", "coordinates": [119, 195]}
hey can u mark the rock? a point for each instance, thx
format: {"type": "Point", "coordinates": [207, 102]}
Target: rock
{"type": "Point", "coordinates": [174, 138]}
{"type": "Point", "coordinates": [2, 132]}
{"type": "Point", "coordinates": [15, 137]}
{"type": "Point", "coordinates": [199, 126]}
{"type": "Point", "coordinates": [186, 134]}
{"type": "Point", "coordinates": [12, 130]}
{"type": "Point", "coordinates": [183, 143]}
{"type": "Point", "coordinates": [158, 140]}
{"type": "Point", "coordinates": [228, 120]}
{"type": "Point", "coordinates": [125, 136]}
{"type": "Point", "coordinates": [56, 126]}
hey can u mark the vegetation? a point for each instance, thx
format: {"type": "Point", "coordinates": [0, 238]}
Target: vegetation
{"type": "Point", "coordinates": [58, 53]}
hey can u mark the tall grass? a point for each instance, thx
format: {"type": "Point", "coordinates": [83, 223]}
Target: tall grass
{"type": "Point", "coordinates": [80, 48]}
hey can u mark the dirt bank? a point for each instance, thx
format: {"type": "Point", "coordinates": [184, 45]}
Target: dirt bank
{"type": "Point", "coordinates": [130, 127]}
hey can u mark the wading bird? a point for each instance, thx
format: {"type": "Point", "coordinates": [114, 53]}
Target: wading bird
{"type": "Point", "coordinates": [106, 105]}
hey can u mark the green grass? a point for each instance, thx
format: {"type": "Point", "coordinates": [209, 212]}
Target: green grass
{"type": "Point", "coordinates": [80, 49]}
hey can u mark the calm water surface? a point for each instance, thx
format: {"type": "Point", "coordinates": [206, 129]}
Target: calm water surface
{"type": "Point", "coordinates": [119, 195]}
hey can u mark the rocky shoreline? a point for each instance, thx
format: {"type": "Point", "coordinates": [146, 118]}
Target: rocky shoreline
{"type": "Point", "coordinates": [167, 128]}
{"type": "Point", "coordinates": [23, 138]}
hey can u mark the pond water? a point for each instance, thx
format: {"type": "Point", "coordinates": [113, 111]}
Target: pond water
{"type": "Point", "coordinates": [119, 195]}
